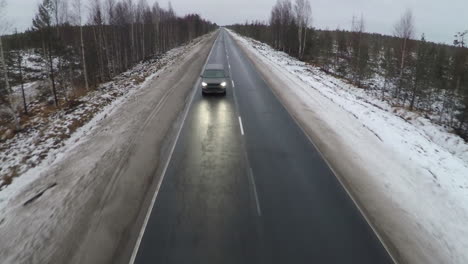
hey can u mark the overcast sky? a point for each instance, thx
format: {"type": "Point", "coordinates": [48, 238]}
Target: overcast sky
{"type": "Point", "coordinates": [438, 19]}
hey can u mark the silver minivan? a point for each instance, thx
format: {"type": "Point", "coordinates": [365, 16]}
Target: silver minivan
{"type": "Point", "coordinates": [215, 79]}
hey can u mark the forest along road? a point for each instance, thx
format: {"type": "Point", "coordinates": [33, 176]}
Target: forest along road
{"type": "Point", "coordinates": [245, 185]}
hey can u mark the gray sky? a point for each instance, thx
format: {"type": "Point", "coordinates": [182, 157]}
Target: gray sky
{"type": "Point", "coordinates": [438, 19]}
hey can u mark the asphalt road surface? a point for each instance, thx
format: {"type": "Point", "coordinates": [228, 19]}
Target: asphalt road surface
{"type": "Point", "coordinates": [245, 185]}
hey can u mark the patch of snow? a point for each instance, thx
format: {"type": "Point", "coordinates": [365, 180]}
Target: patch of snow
{"type": "Point", "coordinates": [30, 92]}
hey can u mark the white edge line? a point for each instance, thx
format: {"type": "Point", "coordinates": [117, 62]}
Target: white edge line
{"type": "Point", "coordinates": [350, 195]}
{"type": "Point", "coordinates": [252, 180]}
{"type": "Point", "coordinates": [241, 126]}
{"type": "Point", "coordinates": [366, 218]}
{"type": "Point", "coordinates": [166, 166]}
{"type": "Point", "coordinates": [153, 200]}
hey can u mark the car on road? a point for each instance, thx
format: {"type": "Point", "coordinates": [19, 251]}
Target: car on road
{"type": "Point", "coordinates": [215, 79]}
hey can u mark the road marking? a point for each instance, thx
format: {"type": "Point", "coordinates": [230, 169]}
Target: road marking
{"type": "Point", "coordinates": [153, 200]}
{"type": "Point", "coordinates": [166, 165]}
{"type": "Point", "coordinates": [229, 66]}
{"type": "Point", "coordinates": [252, 181]}
{"type": "Point", "coordinates": [241, 126]}
{"type": "Point", "coordinates": [250, 176]}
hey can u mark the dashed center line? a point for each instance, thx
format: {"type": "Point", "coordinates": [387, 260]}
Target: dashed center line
{"type": "Point", "coordinates": [233, 85]}
{"type": "Point", "coordinates": [241, 126]}
{"type": "Point", "coordinates": [252, 181]}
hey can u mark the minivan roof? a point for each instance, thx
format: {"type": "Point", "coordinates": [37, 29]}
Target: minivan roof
{"type": "Point", "coordinates": [214, 67]}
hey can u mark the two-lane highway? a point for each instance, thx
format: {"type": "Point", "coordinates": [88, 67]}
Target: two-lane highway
{"type": "Point", "coordinates": [245, 185]}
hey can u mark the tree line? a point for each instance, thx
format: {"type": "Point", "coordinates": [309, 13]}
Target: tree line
{"type": "Point", "coordinates": [85, 44]}
{"type": "Point", "coordinates": [404, 69]}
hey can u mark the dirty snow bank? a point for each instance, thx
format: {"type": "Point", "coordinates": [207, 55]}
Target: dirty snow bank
{"type": "Point", "coordinates": [415, 181]}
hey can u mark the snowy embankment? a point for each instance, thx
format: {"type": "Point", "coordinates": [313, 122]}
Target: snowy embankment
{"type": "Point", "coordinates": [408, 174]}
{"type": "Point", "coordinates": [48, 137]}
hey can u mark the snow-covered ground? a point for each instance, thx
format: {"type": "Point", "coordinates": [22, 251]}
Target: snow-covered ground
{"type": "Point", "coordinates": [30, 92]}
{"type": "Point", "coordinates": [409, 174]}
{"type": "Point", "coordinates": [34, 66]}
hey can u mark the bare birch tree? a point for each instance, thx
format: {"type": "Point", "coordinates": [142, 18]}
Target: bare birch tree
{"type": "Point", "coordinates": [4, 26]}
{"type": "Point", "coordinates": [97, 22]}
{"type": "Point", "coordinates": [156, 18]}
{"type": "Point", "coordinates": [3, 29]}
{"type": "Point", "coordinates": [303, 14]}
{"type": "Point", "coordinates": [19, 65]}
{"type": "Point", "coordinates": [131, 16]}
{"type": "Point", "coordinates": [286, 20]}
{"type": "Point", "coordinates": [140, 15]}
{"type": "Point", "coordinates": [78, 6]}
{"type": "Point", "coordinates": [404, 29]}
{"type": "Point", "coordinates": [43, 23]}
{"type": "Point", "coordinates": [112, 47]}
{"type": "Point", "coordinates": [60, 14]}
{"type": "Point", "coordinates": [275, 24]}
{"type": "Point", "coordinates": [357, 30]}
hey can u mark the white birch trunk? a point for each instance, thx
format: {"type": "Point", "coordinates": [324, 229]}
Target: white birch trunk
{"type": "Point", "coordinates": [5, 70]}
{"type": "Point", "coordinates": [300, 41]}
{"type": "Point", "coordinates": [304, 42]}
{"type": "Point", "coordinates": [85, 73]}
{"type": "Point", "coordinates": [10, 108]}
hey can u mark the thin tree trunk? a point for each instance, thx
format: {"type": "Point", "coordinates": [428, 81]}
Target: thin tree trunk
{"type": "Point", "coordinates": [51, 68]}
{"type": "Point", "coordinates": [143, 40]}
{"type": "Point", "coordinates": [402, 66]}
{"type": "Point", "coordinates": [85, 73]}
{"type": "Point", "coordinates": [300, 42]}
{"type": "Point", "coordinates": [115, 53]}
{"type": "Point", "coordinates": [70, 78]}
{"type": "Point", "coordinates": [22, 85]}
{"type": "Point", "coordinates": [97, 40]}
{"type": "Point", "coordinates": [8, 88]}
{"type": "Point", "coordinates": [413, 96]}
{"type": "Point", "coordinates": [304, 42]}
{"type": "Point", "coordinates": [384, 88]}
{"type": "Point", "coordinates": [358, 70]}
{"type": "Point", "coordinates": [5, 70]}
{"type": "Point", "coordinates": [107, 49]}
{"type": "Point", "coordinates": [132, 45]}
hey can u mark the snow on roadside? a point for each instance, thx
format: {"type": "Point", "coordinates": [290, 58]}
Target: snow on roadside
{"type": "Point", "coordinates": [430, 184]}
{"type": "Point", "coordinates": [30, 91]}
{"type": "Point", "coordinates": [49, 138]}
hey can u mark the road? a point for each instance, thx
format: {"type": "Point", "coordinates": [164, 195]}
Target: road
{"type": "Point", "coordinates": [246, 185]}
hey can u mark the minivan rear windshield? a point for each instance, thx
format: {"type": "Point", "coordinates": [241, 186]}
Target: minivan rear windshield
{"type": "Point", "coordinates": [213, 74]}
